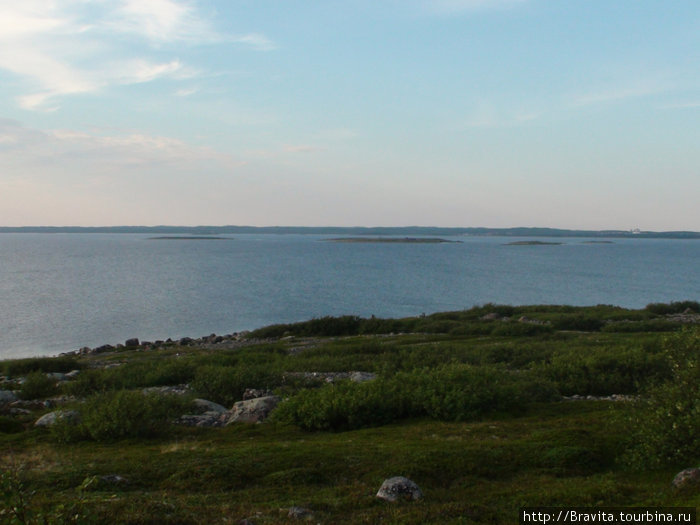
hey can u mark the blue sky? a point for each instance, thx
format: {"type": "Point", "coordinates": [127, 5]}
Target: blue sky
{"type": "Point", "coordinates": [560, 113]}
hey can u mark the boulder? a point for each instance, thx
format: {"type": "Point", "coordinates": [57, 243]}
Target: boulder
{"type": "Point", "coordinates": [72, 374]}
{"type": "Point", "coordinates": [7, 396]}
{"type": "Point", "coordinates": [253, 410]}
{"type": "Point", "coordinates": [399, 488]}
{"type": "Point", "coordinates": [254, 393]}
{"type": "Point", "coordinates": [208, 419]}
{"type": "Point", "coordinates": [300, 513]}
{"type": "Point", "coordinates": [50, 419]}
{"type": "Point", "coordinates": [687, 478]}
{"type": "Point", "coordinates": [130, 343]}
{"type": "Point", "coordinates": [209, 406]}
{"type": "Point", "coordinates": [361, 377]}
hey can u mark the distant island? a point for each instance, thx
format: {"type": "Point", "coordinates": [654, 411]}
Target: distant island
{"type": "Point", "coordinates": [391, 240]}
{"type": "Point", "coordinates": [407, 231]}
{"type": "Point", "coordinates": [189, 238]}
{"type": "Point", "coordinates": [533, 243]}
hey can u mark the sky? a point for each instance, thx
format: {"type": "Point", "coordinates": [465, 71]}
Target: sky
{"type": "Point", "coordinates": [580, 114]}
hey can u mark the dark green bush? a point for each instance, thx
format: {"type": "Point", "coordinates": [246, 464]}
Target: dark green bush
{"type": "Point", "coordinates": [126, 414]}
{"type": "Point", "coordinates": [38, 385]}
{"type": "Point", "coordinates": [651, 325]}
{"type": "Point", "coordinates": [450, 393]}
{"type": "Point", "coordinates": [518, 329]}
{"type": "Point", "coordinates": [604, 371]}
{"type": "Point", "coordinates": [226, 384]}
{"type": "Point", "coordinates": [578, 322]}
{"type": "Point", "coordinates": [673, 308]}
{"type": "Point", "coordinates": [10, 425]}
{"type": "Point", "coordinates": [665, 423]}
{"type": "Point", "coordinates": [21, 367]}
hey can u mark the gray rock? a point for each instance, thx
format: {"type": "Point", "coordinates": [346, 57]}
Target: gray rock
{"type": "Point", "coordinates": [179, 390]}
{"type": "Point", "coordinates": [687, 478]}
{"type": "Point", "coordinates": [208, 419]}
{"type": "Point", "coordinates": [300, 513]}
{"type": "Point", "coordinates": [254, 393]}
{"type": "Point", "coordinates": [114, 479]}
{"type": "Point", "coordinates": [399, 488]}
{"type": "Point", "coordinates": [361, 377]}
{"type": "Point", "coordinates": [209, 406]}
{"type": "Point", "coordinates": [72, 374]}
{"type": "Point", "coordinates": [7, 396]}
{"type": "Point", "coordinates": [50, 419]}
{"type": "Point", "coordinates": [130, 343]}
{"type": "Point", "coordinates": [253, 410]}
{"type": "Point", "coordinates": [58, 376]}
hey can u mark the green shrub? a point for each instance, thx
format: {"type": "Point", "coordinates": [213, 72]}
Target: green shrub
{"type": "Point", "coordinates": [651, 325]}
{"type": "Point", "coordinates": [578, 322]}
{"type": "Point", "coordinates": [666, 420]}
{"type": "Point", "coordinates": [10, 425]}
{"type": "Point", "coordinates": [125, 414]}
{"type": "Point", "coordinates": [450, 393]}
{"type": "Point", "coordinates": [673, 308]}
{"type": "Point", "coordinates": [605, 371]}
{"type": "Point", "coordinates": [226, 384]}
{"type": "Point", "coordinates": [519, 329]}
{"type": "Point", "coordinates": [21, 367]}
{"type": "Point", "coordinates": [38, 385]}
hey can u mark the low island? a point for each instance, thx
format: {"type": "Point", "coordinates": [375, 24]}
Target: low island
{"type": "Point", "coordinates": [392, 240]}
{"type": "Point", "coordinates": [454, 417]}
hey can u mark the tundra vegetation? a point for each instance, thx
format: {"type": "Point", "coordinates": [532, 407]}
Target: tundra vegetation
{"type": "Point", "coordinates": [486, 410]}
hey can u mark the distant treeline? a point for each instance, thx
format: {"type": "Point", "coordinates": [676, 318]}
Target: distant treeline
{"type": "Point", "coordinates": [337, 230]}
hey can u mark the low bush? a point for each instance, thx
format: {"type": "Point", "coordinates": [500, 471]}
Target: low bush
{"type": "Point", "coordinates": [226, 384]}
{"type": "Point", "coordinates": [666, 419]}
{"type": "Point", "coordinates": [673, 308]}
{"type": "Point", "coordinates": [651, 325]}
{"type": "Point", "coordinates": [450, 393]}
{"type": "Point", "coordinates": [604, 371]}
{"type": "Point", "coordinates": [21, 367]}
{"type": "Point", "coordinates": [38, 385]}
{"type": "Point", "coordinates": [126, 414]}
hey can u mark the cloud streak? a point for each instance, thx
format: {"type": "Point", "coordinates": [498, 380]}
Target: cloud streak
{"type": "Point", "coordinates": [72, 47]}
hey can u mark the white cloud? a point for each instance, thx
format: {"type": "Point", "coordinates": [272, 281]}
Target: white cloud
{"type": "Point", "coordinates": [71, 47]}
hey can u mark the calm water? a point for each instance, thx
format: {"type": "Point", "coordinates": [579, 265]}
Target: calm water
{"type": "Point", "coordinates": [63, 291]}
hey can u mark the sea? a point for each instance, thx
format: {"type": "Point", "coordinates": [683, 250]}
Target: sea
{"type": "Point", "coordinates": [64, 291]}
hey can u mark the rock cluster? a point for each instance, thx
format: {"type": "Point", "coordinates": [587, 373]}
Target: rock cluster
{"type": "Point", "coordinates": [254, 410]}
{"type": "Point", "coordinates": [212, 341]}
{"type": "Point", "coordinates": [331, 377]}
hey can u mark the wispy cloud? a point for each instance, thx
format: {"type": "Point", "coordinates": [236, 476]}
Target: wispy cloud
{"type": "Point", "coordinates": [71, 47]}
{"type": "Point", "coordinates": [105, 150]}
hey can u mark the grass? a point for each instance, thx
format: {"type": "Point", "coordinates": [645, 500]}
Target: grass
{"type": "Point", "coordinates": [477, 452]}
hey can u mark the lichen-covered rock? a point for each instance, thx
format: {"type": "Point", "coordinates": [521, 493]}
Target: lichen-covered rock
{"type": "Point", "coordinates": [208, 419]}
{"type": "Point", "coordinates": [253, 393]}
{"type": "Point", "coordinates": [209, 406]}
{"type": "Point", "coordinates": [361, 377]}
{"type": "Point", "coordinates": [300, 513]}
{"type": "Point", "coordinates": [7, 396]}
{"type": "Point", "coordinates": [253, 410]}
{"type": "Point", "coordinates": [399, 488]}
{"type": "Point", "coordinates": [687, 478]}
{"type": "Point", "coordinates": [50, 419]}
